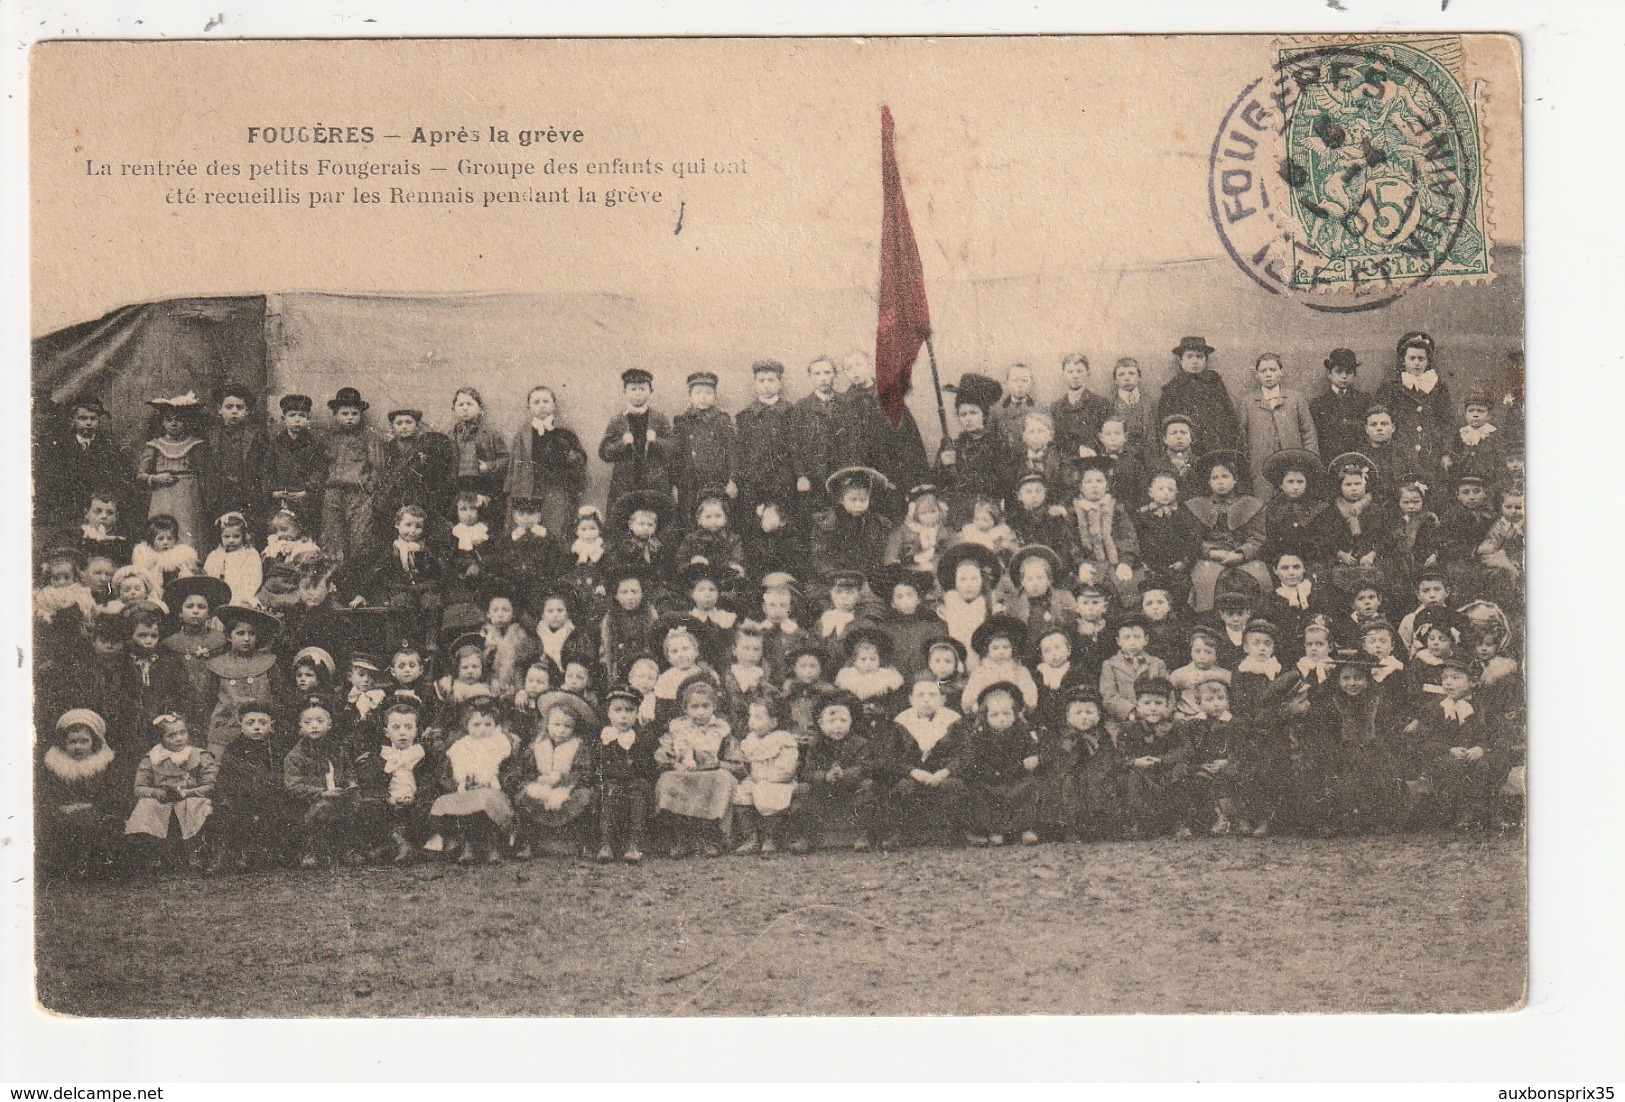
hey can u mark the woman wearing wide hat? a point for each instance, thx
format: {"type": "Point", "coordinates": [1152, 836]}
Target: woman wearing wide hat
{"type": "Point", "coordinates": [978, 462]}
{"type": "Point", "coordinates": [170, 463]}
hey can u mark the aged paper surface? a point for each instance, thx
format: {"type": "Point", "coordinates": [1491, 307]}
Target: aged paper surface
{"type": "Point", "coordinates": [411, 217]}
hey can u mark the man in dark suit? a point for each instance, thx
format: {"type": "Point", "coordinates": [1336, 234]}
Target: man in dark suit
{"type": "Point", "coordinates": [763, 467]}
{"type": "Point", "coordinates": [76, 459]}
{"type": "Point", "coordinates": [1339, 414]}
{"type": "Point", "coordinates": [1198, 392]}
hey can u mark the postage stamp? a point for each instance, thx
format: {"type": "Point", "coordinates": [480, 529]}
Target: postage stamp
{"type": "Point", "coordinates": [1353, 172]}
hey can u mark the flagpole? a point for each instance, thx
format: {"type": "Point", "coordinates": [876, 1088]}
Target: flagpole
{"type": "Point", "coordinates": [936, 385]}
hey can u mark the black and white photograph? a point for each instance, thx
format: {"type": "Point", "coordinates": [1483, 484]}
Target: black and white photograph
{"type": "Point", "coordinates": [826, 527]}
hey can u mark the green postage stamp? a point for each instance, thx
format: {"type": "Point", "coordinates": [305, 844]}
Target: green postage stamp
{"type": "Point", "coordinates": [1355, 171]}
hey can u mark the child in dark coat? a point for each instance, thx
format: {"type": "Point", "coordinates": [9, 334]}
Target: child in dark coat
{"type": "Point", "coordinates": [624, 765]}
{"type": "Point", "coordinates": [837, 768]}
{"type": "Point", "coordinates": [317, 773]}
{"type": "Point", "coordinates": [79, 807]}
{"type": "Point", "coordinates": [395, 786]}
{"type": "Point", "coordinates": [1155, 758]}
{"type": "Point", "coordinates": [254, 819]}
{"type": "Point", "coordinates": [703, 443]}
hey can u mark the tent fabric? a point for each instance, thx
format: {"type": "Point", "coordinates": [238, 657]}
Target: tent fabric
{"type": "Point", "coordinates": [140, 352]}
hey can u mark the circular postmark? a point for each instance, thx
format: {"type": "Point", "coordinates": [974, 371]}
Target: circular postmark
{"type": "Point", "coordinates": [1351, 173]}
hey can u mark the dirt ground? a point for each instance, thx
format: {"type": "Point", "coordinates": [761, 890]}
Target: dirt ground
{"type": "Point", "coordinates": [1420, 923]}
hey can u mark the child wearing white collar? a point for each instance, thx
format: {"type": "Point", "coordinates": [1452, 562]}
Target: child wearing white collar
{"type": "Point", "coordinates": [172, 788]}
{"type": "Point", "coordinates": [558, 767]}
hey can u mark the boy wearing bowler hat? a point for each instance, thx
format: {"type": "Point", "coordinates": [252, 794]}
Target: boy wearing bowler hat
{"type": "Point", "coordinates": [297, 463]}
{"type": "Point", "coordinates": [1197, 391]}
{"type": "Point", "coordinates": [638, 441]}
{"type": "Point", "coordinates": [703, 442]}
{"type": "Point", "coordinates": [1339, 414]}
{"type": "Point", "coordinates": [355, 461]}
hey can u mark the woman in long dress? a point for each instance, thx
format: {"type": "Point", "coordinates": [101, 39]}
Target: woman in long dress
{"type": "Point", "coordinates": [169, 464]}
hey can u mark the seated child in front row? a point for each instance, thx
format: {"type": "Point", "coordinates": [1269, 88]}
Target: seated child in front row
{"type": "Point", "coordinates": [557, 773]}
{"type": "Point", "coordinates": [480, 765]}
{"type": "Point", "coordinates": [317, 773]}
{"type": "Point", "coordinates": [173, 784]}
{"type": "Point", "coordinates": [394, 786]}
{"type": "Point", "coordinates": [766, 795]}
{"type": "Point", "coordinates": [78, 797]}
{"type": "Point", "coordinates": [625, 771]}
{"type": "Point", "coordinates": [1081, 800]}
{"type": "Point", "coordinates": [1155, 761]}
{"type": "Point", "coordinates": [694, 788]}
{"type": "Point", "coordinates": [835, 769]}
{"type": "Point", "coordinates": [254, 818]}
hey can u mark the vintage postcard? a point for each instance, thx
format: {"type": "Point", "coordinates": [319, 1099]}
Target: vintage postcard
{"type": "Point", "coordinates": [842, 527]}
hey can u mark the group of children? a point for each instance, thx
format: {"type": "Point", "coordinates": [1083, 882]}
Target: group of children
{"type": "Point", "coordinates": [1107, 617]}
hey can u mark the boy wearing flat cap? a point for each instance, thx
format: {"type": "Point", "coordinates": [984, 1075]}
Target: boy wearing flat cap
{"type": "Point", "coordinates": [297, 464]}
{"type": "Point", "coordinates": [703, 442]}
{"type": "Point", "coordinates": [763, 465]}
{"type": "Point", "coordinates": [233, 481]}
{"type": "Point", "coordinates": [638, 441]}
{"type": "Point", "coordinates": [1197, 391]}
{"type": "Point", "coordinates": [420, 468]}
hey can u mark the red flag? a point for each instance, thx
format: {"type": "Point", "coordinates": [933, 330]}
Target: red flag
{"type": "Point", "coordinates": [905, 319]}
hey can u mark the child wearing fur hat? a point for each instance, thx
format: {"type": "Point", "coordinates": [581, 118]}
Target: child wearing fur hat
{"type": "Point", "coordinates": [173, 784]}
{"type": "Point", "coordinates": [79, 805]}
